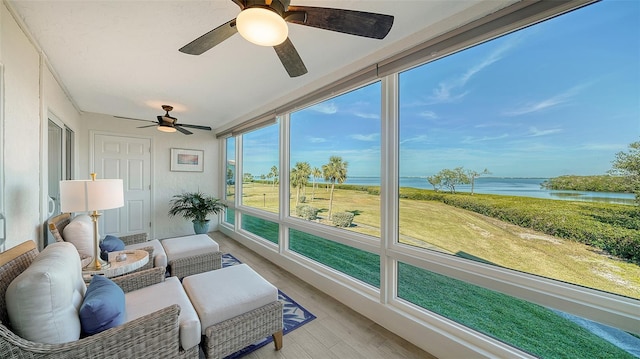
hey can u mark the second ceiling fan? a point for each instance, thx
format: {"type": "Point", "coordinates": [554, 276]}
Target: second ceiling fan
{"type": "Point", "coordinates": [168, 123]}
{"type": "Point", "coordinates": [263, 22]}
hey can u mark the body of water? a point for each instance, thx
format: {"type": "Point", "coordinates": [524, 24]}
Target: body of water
{"type": "Point", "coordinates": [524, 187]}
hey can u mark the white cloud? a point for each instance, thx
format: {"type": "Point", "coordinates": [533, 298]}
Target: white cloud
{"type": "Point", "coordinates": [544, 104]}
{"type": "Point", "coordinates": [369, 137]}
{"type": "Point", "coordinates": [316, 139]}
{"type": "Point", "coordinates": [421, 138]}
{"type": "Point", "coordinates": [603, 147]}
{"type": "Point", "coordinates": [451, 90]}
{"type": "Point", "coordinates": [428, 114]}
{"type": "Point", "coordinates": [470, 139]}
{"type": "Point", "coordinates": [328, 108]}
{"type": "Point", "coordinates": [443, 94]}
{"type": "Point", "coordinates": [534, 132]}
{"type": "Point", "coordinates": [374, 116]}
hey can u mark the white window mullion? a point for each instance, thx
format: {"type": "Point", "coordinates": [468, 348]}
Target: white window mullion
{"type": "Point", "coordinates": [283, 184]}
{"type": "Point", "coordinates": [238, 183]}
{"type": "Point", "coordinates": [388, 186]}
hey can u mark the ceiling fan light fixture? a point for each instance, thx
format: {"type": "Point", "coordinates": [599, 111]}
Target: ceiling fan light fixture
{"type": "Point", "coordinates": [262, 26]}
{"type": "Point", "coordinates": [165, 128]}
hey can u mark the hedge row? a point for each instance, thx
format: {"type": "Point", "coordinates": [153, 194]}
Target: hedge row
{"type": "Point", "coordinates": [602, 183]}
{"type": "Point", "coordinates": [612, 228]}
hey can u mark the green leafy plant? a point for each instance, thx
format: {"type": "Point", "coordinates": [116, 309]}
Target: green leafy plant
{"type": "Point", "coordinates": [342, 219]}
{"type": "Point", "coordinates": [307, 212]}
{"type": "Point", "coordinates": [195, 206]}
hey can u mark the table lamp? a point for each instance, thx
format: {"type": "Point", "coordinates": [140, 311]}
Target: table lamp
{"type": "Point", "coordinates": [92, 196]}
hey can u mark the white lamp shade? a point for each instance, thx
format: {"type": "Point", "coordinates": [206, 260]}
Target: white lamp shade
{"type": "Point", "coordinates": [262, 26]}
{"type": "Point", "coordinates": [88, 195]}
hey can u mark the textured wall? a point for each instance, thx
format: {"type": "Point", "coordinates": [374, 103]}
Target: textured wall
{"type": "Point", "coordinates": [31, 92]}
{"type": "Point", "coordinates": [164, 183]}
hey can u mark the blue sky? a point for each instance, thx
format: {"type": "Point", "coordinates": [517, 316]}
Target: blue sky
{"type": "Point", "coordinates": [558, 98]}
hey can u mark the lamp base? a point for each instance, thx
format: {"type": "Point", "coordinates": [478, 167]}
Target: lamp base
{"type": "Point", "coordinates": [100, 265]}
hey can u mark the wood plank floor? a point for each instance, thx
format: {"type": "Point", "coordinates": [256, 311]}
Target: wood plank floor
{"type": "Point", "coordinates": [337, 333]}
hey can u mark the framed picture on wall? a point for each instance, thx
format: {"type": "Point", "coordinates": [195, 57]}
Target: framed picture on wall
{"type": "Point", "coordinates": [184, 160]}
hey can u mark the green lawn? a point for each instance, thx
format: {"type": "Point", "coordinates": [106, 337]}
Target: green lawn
{"type": "Point", "coordinates": [439, 226]}
{"type": "Point", "coordinates": [525, 325]}
{"type": "Point", "coordinates": [436, 225]}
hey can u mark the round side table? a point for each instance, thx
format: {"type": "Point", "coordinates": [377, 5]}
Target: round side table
{"type": "Point", "coordinates": [135, 259]}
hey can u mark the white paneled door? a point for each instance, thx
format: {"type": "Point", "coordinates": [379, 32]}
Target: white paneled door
{"type": "Point", "coordinates": [128, 158]}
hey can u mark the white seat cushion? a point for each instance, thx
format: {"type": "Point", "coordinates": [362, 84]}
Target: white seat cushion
{"type": "Point", "coordinates": [188, 246]}
{"type": "Point", "coordinates": [228, 292]}
{"type": "Point", "coordinates": [159, 256]}
{"type": "Point", "coordinates": [155, 297]}
{"type": "Point", "coordinates": [79, 232]}
{"type": "Point", "coordinates": [43, 301]}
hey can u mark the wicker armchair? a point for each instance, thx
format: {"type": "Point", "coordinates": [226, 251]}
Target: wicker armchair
{"type": "Point", "coordinates": [58, 223]}
{"type": "Point", "coordinates": [155, 335]}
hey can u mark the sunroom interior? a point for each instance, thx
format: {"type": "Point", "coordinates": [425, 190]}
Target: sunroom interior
{"type": "Point", "coordinates": [75, 78]}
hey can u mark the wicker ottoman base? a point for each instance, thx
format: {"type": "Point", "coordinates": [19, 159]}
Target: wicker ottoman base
{"type": "Point", "coordinates": [191, 255]}
{"type": "Point", "coordinates": [236, 333]}
{"type": "Point", "coordinates": [236, 307]}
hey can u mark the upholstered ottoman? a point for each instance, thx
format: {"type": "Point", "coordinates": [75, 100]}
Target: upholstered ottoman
{"type": "Point", "coordinates": [236, 307]}
{"type": "Point", "coordinates": [191, 255]}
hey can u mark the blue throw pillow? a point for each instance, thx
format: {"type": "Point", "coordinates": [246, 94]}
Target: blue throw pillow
{"type": "Point", "coordinates": [103, 306]}
{"type": "Point", "coordinates": [111, 243]}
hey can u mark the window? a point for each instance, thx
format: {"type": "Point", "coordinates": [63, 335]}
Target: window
{"type": "Point", "coordinates": [261, 227]}
{"type": "Point", "coordinates": [260, 163]}
{"type": "Point", "coordinates": [354, 262]}
{"type": "Point", "coordinates": [230, 180]}
{"type": "Point", "coordinates": [544, 332]}
{"type": "Point", "coordinates": [508, 203]}
{"type": "Point", "coordinates": [483, 131]}
{"type": "Point", "coordinates": [335, 149]}
{"type": "Point", "coordinates": [230, 169]}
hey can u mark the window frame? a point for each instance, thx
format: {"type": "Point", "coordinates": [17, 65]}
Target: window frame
{"type": "Point", "coordinates": [608, 308]}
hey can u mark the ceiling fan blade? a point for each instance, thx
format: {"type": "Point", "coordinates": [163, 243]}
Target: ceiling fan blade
{"type": "Point", "coordinates": [352, 22]}
{"type": "Point", "coordinates": [135, 119]}
{"type": "Point", "coordinates": [186, 132]}
{"type": "Point", "coordinates": [148, 126]}
{"type": "Point", "coordinates": [194, 126]}
{"type": "Point", "coordinates": [210, 39]}
{"type": "Point", "coordinates": [290, 59]}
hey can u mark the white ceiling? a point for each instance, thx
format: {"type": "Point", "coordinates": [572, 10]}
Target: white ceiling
{"type": "Point", "coordinates": [121, 57]}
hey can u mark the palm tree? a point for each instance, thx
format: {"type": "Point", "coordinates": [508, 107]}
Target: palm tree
{"type": "Point", "coordinates": [334, 171]}
{"type": "Point", "coordinates": [299, 177]}
{"type": "Point", "coordinates": [274, 174]}
{"type": "Point", "coordinates": [315, 173]}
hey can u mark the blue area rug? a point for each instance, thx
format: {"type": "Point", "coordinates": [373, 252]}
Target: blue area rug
{"type": "Point", "coordinates": [294, 315]}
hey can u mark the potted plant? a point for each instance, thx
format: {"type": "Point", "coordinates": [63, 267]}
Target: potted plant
{"type": "Point", "coordinates": [196, 206]}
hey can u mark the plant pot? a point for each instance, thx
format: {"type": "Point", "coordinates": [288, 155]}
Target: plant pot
{"type": "Point", "coordinates": [201, 227]}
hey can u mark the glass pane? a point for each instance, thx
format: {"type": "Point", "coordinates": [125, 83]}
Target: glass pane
{"type": "Point", "coordinates": [356, 263]}
{"type": "Point", "coordinates": [230, 216]}
{"type": "Point", "coordinates": [260, 158]}
{"type": "Point", "coordinates": [69, 150]}
{"type": "Point", "coordinates": [538, 330]}
{"type": "Point", "coordinates": [55, 171]}
{"type": "Point", "coordinates": [507, 150]}
{"type": "Point", "coordinates": [230, 176]}
{"type": "Point", "coordinates": [335, 161]}
{"type": "Point", "coordinates": [261, 227]}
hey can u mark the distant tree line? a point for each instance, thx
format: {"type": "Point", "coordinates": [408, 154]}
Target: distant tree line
{"type": "Point", "coordinates": [602, 183]}
{"type": "Point", "coordinates": [624, 176]}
